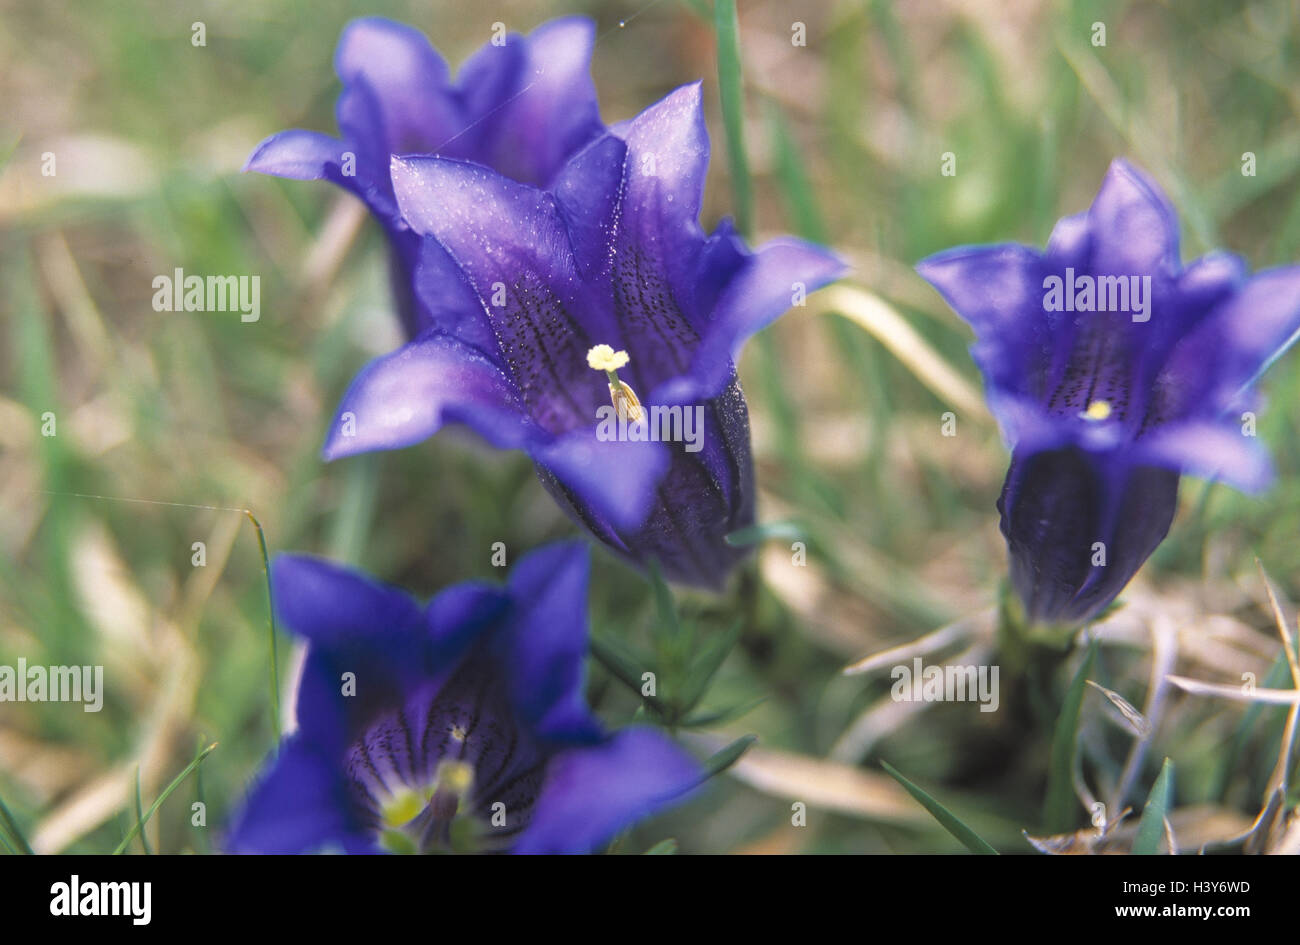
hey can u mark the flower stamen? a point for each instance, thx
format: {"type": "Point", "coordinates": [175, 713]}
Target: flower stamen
{"type": "Point", "coordinates": [1097, 410]}
{"type": "Point", "coordinates": [621, 395]}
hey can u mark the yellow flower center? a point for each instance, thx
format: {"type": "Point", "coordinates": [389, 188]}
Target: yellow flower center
{"type": "Point", "coordinates": [1097, 410]}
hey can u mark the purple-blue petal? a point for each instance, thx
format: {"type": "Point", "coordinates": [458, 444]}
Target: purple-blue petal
{"type": "Point", "coordinates": [404, 397]}
{"type": "Point", "coordinates": [667, 160]}
{"type": "Point", "coordinates": [511, 242]}
{"type": "Point", "coordinates": [1058, 505]}
{"type": "Point", "coordinates": [1132, 226]}
{"type": "Point", "coordinates": [298, 805]}
{"type": "Point", "coordinates": [760, 292]}
{"type": "Point", "coordinates": [412, 95]}
{"type": "Point", "coordinates": [332, 606]}
{"type": "Point", "coordinates": [998, 291]}
{"type": "Point", "coordinates": [614, 481]}
{"type": "Point", "coordinates": [547, 113]}
{"type": "Point", "coordinates": [296, 154]}
{"type": "Point", "coordinates": [590, 794]}
{"type": "Point", "coordinates": [543, 645]}
{"type": "Point", "coordinates": [1211, 450]}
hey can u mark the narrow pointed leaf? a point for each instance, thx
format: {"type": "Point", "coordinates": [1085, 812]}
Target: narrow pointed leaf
{"type": "Point", "coordinates": [1060, 810]}
{"type": "Point", "coordinates": [1151, 828]}
{"type": "Point", "coordinates": [721, 760]}
{"type": "Point", "coordinates": [947, 819]}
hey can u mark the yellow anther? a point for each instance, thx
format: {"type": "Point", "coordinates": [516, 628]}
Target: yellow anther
{"type": "Point", "coordinates": [625, 401]}
{"type": "Point", "coordinates": [622, 396]}
{"type": "Point", "coordinates": [1097, 410]}
{"type": "Point", "coordinates": [454, 777]}
{"type": "Point", "coordinates": [403, 807]}
{"type": "Point", "coordinates": [605, 358]}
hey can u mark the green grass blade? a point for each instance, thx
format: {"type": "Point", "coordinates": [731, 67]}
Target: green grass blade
{"type": "Point", "coordinates": [139, 816]}
{"type": "Point", "coordinates": [793, 181]}
{"type": "Point", "coordinates": [13, 836]}
{"type": "Point", "coordinates": [270, 626]}
{"type": "Point", "coordinates": [153, 808]}
{"type": "Point", "coordinates": [1278, 675]}
{"type": "Point", "coordinates": [1151, 828]}
{"type": "Point", "coordinates": [663, 848]}
{"type": "Point", "coordinates": [1059, 811]}
{"type": "Point", "coordinates": [757, 534]}
{"type": "Point", "coordinates": [947, 819]}
{"type": "Point", "coordinates": [731, 87]}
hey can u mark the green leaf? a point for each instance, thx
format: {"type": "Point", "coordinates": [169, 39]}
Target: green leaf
{"type": "Point", "coordinates": [731, 89]}
{"type": "Point", "coordinates": [1151, 828]}
{"type": "Point", "coordinates": [624, 666]}
{"type": "Point", "coordinates": [666, 610]}
{"type": "Point", "coordinates": [10, 832]}
{"type": "Point", "coordinates": [1059, 810]}
{"type": "Point", "coordinates": [722, 760]}
{"type": "Point", "coordinates": [792, 179]}
{"type": "Point", "coordinates": [722, 716]}
{"type": "Point", "coordinates": [705, 667]}
{"type": "Point", "coordinates": [756, 534]}
{"type": "Point", "coordinates": [153, 808]}
{"type": "Point", "coordinates": [139, 817]}
{"type": "Point", "coordinates": [948, 820]}
{"type": "Point", "coordinates": [270, 626]}
{"type": "Point", "coordinates": [663, 848]}
{"type": "Point", "coordinates": [1278, 675]}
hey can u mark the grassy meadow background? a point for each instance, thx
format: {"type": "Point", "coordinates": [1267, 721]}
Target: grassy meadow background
{"type": "Point", "coordinates": [842, 143]}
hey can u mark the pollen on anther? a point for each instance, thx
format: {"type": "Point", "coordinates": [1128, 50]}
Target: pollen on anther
{"type": "Point", "coordinates": [1097, 410]}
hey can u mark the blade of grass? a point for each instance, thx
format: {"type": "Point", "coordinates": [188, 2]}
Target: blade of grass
{"type": "Point", "coordinates": [757, 534]}
{"type": "Point", "coordinates": [1245, 728]}
{"type": "Point", "coordinates": [9, 828]}
{"type": "Point", "coordinates": [897, 335]}
{"type": "Point", "coordinates": [270, 626]}
{"type": "Point", "coordinates": [153, 808]}
{"type": "Point", "coordinates": [947, 819]}
{"type": "Point", "coordinates": [199, 795]}
{"type": "Point", "coordinates": [139, 816]}
{"type": "Point", "coordinates": [731, 89]}
{"type": "Point", "coordinates": [1151, 828]}
{"type": "Point", "coordinates": [1058, 812]}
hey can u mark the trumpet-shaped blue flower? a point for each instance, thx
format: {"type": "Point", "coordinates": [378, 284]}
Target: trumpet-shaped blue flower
{"type": "Point", "coordinates": [607, 268]}
{"type": "Point", "coordinates": [1113, 369]}
{"type": "Point", "coordinates": [521, 105]}
{"type": "Point", "coordinates": [461, 725]}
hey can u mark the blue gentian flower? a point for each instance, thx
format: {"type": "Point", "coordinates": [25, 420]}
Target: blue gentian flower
{"type": "Point", "coordinates": [521, 107]}
{"type": "Point", "coordinates": [1113, 369]}
{"type": "Point", "coordinates": [457, 726]}
{"type": "Point", "coordinates": [609, 269]}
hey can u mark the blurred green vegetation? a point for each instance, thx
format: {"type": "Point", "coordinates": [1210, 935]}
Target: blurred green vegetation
{"type": "Point", "coordinates": [844, 138]}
